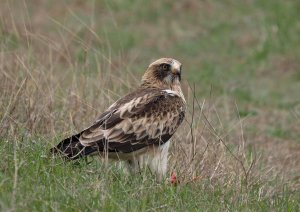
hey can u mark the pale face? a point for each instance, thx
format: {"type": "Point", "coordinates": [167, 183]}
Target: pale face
{"type": "Point", "coordinates": [167, 70]}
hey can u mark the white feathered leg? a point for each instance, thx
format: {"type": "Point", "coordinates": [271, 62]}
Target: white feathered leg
{"type": "Point", "coordinates": [156, 159]}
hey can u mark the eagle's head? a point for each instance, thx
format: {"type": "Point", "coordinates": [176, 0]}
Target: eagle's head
{"type": "Point", "coordinates": [163, 73]}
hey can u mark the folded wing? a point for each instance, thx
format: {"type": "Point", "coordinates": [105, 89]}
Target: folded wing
{"type": "Point", "coordinates": [141, 119]}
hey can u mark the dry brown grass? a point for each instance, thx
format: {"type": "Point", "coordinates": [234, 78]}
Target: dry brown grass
{"type": "Point", "coordinates": [212, 143]}
{"type": "Point", "coordinates": [48, 91]}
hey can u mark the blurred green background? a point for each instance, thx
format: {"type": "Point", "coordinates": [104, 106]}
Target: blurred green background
{"type": "Point", "coordinates": [79, 56]}
{"type": "Point", "coordinates": [246, 49]}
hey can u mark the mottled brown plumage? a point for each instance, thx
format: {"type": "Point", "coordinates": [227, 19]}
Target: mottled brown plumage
{"type": "Point", "coordinates": [141, 123]}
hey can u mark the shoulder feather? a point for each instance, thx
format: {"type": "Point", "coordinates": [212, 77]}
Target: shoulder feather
{"type": "Point", "coordinates": [150, 116]}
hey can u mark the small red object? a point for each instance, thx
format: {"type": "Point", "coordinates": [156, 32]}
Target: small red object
{"type": "Point", "coordinates": [173, 178]}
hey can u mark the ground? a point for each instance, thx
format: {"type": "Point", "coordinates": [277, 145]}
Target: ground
{"type": "Point", "coordinates": [63, 62]}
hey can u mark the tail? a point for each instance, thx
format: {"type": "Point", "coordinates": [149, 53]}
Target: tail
{"type": "Point", "coordinates": [70, 148]}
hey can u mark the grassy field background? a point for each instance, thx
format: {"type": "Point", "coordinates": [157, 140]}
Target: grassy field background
{"type": "Point", "coordinates": [63, 62]}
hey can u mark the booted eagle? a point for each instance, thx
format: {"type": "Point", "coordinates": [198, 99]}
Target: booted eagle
{"type": "Point", "coordinates": [137, 128]}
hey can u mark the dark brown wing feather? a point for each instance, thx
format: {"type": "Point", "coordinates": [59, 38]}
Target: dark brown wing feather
{"type": "Point", "coordinates": [146, 117]}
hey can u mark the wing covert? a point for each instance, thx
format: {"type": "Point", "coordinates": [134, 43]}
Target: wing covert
{"type": "Point", "coordinates": [149, 117]}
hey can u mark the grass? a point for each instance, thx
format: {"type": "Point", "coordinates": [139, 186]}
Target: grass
{"type": "Point", "coordinates": [45, 184]}
{"type": "Point", "coordinates": [63, 62]}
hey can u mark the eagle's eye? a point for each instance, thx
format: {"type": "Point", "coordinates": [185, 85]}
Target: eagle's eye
{"type": "Point", "coordinates": [165, 67]}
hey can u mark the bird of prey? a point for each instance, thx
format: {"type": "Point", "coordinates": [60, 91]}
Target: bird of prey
{"type": "Point", "coordinates": [136, 128]}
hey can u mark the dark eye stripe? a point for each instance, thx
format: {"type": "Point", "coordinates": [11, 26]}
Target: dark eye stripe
{"type": "Point", "coordinates": [165, 67]}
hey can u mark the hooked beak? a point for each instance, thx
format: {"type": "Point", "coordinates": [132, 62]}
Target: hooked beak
{"type": "Point", "coordinates": [176, 72]}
